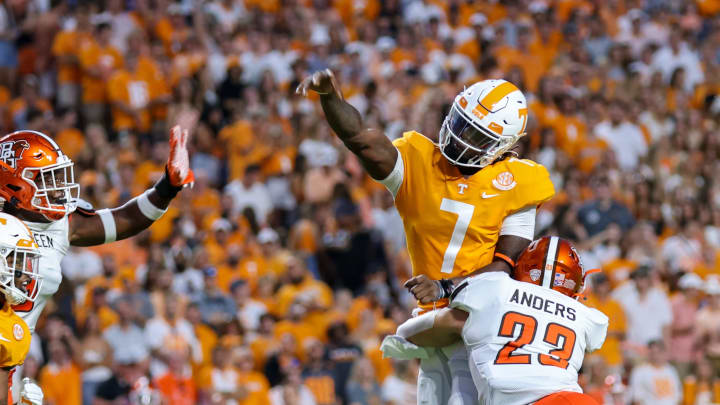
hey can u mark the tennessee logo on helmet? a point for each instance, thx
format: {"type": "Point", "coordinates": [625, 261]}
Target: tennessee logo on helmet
{"type": "Point", "coordinates": [12, 151]}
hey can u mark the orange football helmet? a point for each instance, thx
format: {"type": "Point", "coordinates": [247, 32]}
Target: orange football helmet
{"type": "Point", "coordinates": [554, 263]}
{"type": "Point", "coordinates": [36, 176]}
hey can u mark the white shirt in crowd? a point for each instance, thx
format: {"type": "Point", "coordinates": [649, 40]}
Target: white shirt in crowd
{"type": "Point", "coordinates": [256, 197]}
{"type": "Point", "coordinates": [626, 140]}
{"type": "Point", "coordinates": [646, 317]}
{"type": "Point", "coordinates": [277, 396]}
{"type": "Point", "coordinates": [399, 392]}
{"type": "Point", "coordinates": [650, 385]}
{"type": "Point", "coordinates": [667, 61]}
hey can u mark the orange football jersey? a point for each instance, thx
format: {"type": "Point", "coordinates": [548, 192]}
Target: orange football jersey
{"type": "Point", "coordinates": [452, 223]}
{"type": "Point", "coordinates": [14, 338]}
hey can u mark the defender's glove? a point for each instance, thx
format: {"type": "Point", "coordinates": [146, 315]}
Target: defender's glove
{"type": "Point", "coordinates": [31, 393]}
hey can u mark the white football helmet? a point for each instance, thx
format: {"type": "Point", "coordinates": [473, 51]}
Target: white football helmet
{"type": "Point", "coordinates": [484, 122]}
{"type": "Point", "coordinates": [19, 256]}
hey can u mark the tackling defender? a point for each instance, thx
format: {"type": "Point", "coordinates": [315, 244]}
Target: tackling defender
{"type": "Point", "coordinates": [527, 336]}
{"type": "Point", "coordinates": [19, 283]}
{"type": "Point", "coordinates": [37, 185]}
{"type": "Point", "coordinates": [466, 205]}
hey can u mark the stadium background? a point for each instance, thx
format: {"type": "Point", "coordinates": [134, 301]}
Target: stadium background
{"type": "Point", "coordinates": [275, 278]}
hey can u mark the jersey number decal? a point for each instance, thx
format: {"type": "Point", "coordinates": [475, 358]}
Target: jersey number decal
{"type": "Point", "coordinates": [528, 326]}
{"type": "Point", "coordinates": [465, 213]}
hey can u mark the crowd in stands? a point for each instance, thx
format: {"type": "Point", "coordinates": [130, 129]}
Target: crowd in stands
{"type": "Point", "coordinates": [275, 278]}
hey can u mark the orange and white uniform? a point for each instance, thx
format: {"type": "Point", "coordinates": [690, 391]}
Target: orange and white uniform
{"type": "Point", "coordinates": [14, 342]}
{"type": "Point", "coordinates": [452, 223]}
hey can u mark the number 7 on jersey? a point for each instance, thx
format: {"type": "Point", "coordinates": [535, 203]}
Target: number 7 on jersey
{"type": "Point", "coordinates": [465, 213]}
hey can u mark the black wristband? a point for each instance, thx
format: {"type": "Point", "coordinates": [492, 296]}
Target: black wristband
{"type": "Point", "coordinates": [165, 189]}
{"type": "Point", "coordinates": [447, 287]}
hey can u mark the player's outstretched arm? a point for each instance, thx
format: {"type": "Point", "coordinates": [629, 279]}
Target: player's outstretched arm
{"type": "Point", "coordinates": [434, 329]}
{"type": "Point", "coordinates": [375, 151]}
{"type": "Point", "coordinates": [507, 250]}
{"type": "Point", "coordinates": [88, 228]}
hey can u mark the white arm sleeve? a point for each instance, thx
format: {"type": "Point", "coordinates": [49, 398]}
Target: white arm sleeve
{"type": "Point", "coordinates": [394, 180]}
{"type": "Point", "coordinates": [521, 223]}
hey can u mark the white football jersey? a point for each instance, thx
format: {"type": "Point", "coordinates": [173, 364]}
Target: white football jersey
{"type": "Point", "coordinates": [524, 341]}
{"type": "Point", "coordinates": [54, 241]}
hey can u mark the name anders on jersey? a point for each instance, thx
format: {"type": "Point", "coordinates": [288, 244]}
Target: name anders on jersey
{"type": "Point", "coordinates": [542, 304]}
{"type": "Point", "coordinates": [44, 241]}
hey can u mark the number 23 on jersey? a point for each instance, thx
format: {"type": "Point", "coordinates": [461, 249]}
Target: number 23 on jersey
{"type": "Point", "coordinates": [556, 335]}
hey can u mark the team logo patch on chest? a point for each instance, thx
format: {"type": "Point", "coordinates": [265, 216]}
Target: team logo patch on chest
{"type": "Point", "coordinates": [461, 188]}
{"type": "Point", "coordinates": [504, 181]}
{"type": "Point", "coordinates": [18, 331]}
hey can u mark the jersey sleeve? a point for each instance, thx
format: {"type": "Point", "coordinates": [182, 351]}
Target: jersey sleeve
{"type": "Point", "coordinates": [474, 293]}
{"type": "Point", "coordinates": [415, 153]}
{"type": "Point", "coordinates": [596, 330]}
{"type": "Point", "coordinates": [534, 184]}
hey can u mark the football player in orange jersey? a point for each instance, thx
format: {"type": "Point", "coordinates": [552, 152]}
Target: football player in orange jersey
{"type": "Point", "coordinates": [467, 205]}
{"type": "Point", "coordinates": [19, 283]}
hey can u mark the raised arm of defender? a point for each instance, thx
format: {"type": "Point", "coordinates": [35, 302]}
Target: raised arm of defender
{"type": "Point", "coordinates": [375, 151]}
{"type": "Point", "coordinates": [88, 228]}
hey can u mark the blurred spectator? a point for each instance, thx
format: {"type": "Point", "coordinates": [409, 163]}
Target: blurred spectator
{"type": "Point", "coordinates": [215, 306]}
{"type": "Point", "coordinates": [353, 252]}
{"type": "Point", "coordinates": [95, 357]}
{"type": "Point", "coordinates": [708, 325]}
{"type": "Point", "coordinates": [254, 383]}
{"type": "Point", "coordinates": [400, 388]}
{"type": "Point", "coordinates": [317, 375]}
{"type": "Point", "coordinates": [657, 381]}
{"type": "Point", "coordinates": [600, 298]}
{"type": "Point", "coordinates": [647, 310]}
{"type": "Point", "coordinates": [249, 310]}
{"type": "Point", "coordinates": [598, 214]}
{"type": "Point", "coordinates": [682, 330]}
{"type": "Point", "coordinates": [60, 378]}
{"type": "Point", "coordinates": [176, 384]}
{"type": "Point", "coordinates": [342, 354]}
{"type": "Point", "coordinates": [250, 192]}
{"type": "Point", "coordinates": [362, 388]}
{"type": "Point", "coordinates": [126, 338]}
{"type": "Point", "coordinates": [292, 390]}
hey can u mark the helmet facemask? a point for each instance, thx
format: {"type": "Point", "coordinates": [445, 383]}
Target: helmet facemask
{"type": "Point", "coordinates": [56, 192]}
{"type": "Point", "coordinates": [464, 143]}
{"type": "Point", "coordinates": [19, 278]}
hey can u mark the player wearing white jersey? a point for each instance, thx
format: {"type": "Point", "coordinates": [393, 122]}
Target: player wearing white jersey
{"type": "Point", "coordinates": [526, 335]}
{"type": "Point", "coordinates": [37, 185]}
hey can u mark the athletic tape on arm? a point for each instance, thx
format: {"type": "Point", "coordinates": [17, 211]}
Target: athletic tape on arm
{"type": "Point", "coordinates": [149, 209]}
{"type": "Point", "coordinates": [108, 221]}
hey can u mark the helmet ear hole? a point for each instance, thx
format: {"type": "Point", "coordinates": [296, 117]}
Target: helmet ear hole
{"type": "Point", "coordinates": [12, 187]}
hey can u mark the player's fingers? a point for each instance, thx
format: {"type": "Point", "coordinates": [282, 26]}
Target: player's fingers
{"type": "Point", "coordinates": [412, 282]}
{"type": "Point", "coordinates": [185, 136]}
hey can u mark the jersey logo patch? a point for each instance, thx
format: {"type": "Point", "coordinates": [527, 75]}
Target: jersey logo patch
{"type": "Point", "coordinates": [504, 181]}
{"type": "Point", "coordinates": [486, 195]}
{"type": "Point", "coordinates": [461, 188]}
{"type": "Point", "coordinates": [18, 331]}
{"type": "Point", "coordinates": [535, 274]}
{"type": "Point", "coordinates": [4, 339]}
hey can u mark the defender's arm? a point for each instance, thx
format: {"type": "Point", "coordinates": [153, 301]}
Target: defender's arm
{"type": "Point", "coordinates": [375, 151]}
{"type": "Point", "coordinates": [109, 225]}
{"type": "Point", "coordinates": [434, 329]}
{"type": "Point", "coordinates": [507, 250]}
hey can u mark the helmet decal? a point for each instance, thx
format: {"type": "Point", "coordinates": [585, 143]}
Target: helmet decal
{"type": "Point", "coordinates": [12, 151]}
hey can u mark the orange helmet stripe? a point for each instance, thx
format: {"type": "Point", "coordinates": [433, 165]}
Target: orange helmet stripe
{"type": "Point", "coordinates": [497, 94]}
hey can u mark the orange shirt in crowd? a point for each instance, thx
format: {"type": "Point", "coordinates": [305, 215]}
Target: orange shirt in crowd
{"type": "Point", "coordinates": [257, 386]}
{"type": "Point", "coordinates": [309, 289]}
{"type": "Point", "coordinates": [177, 390]}
{"type": "Point", "coordinates": [69, 43]}
{"type": "Point", "coordinates": [61, 385]}
{"type": "Point", "coordinates": [611, 350]}
{"type": "Point", "coordinates": [103, 58]}
{"type": "Point", "coordinates": [71, 141]}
